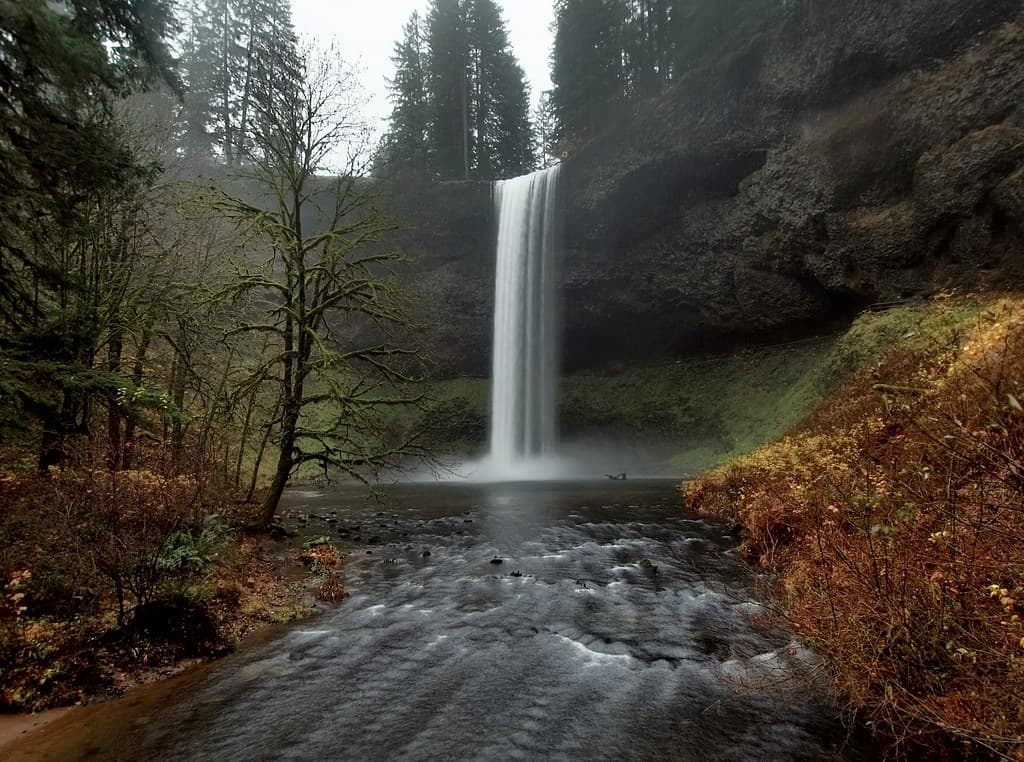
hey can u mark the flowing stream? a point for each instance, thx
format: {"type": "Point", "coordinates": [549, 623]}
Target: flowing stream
{"type": "Point", "coordinates": [500, 620]}
{"type": "Point", "coordinates": [586, 621]}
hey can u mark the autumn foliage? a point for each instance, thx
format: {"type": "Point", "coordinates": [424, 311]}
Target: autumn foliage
{"type": "Point", "coordinates": [894, 519]}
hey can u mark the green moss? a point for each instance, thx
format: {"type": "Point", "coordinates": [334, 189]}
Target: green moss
{"type": "Point", "coordinates": [701, 411]}
{"type": "Point", "coordinates": [707, 409]}
{"type": "Point", "coordinates": [872, 335]}
{"type": "Point", "coordinates": [453, 418]}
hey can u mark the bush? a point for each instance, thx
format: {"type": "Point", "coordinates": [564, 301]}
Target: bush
{"type": "Point", "coordinates": [895, 517]}
{"type": "Point", "coordinates": [122, 524]}
{"type": "Point", "coordinates": [191, 550]}
{"type": "Point", "coordinates": [85, 545]}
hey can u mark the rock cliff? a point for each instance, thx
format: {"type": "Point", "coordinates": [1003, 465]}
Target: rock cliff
{"type": "Point", "coordinates": [859, 151]}
{"type": "Point", "coordinates": [447, 230]}
{"type": "Point", "coordinates": [867, 152]}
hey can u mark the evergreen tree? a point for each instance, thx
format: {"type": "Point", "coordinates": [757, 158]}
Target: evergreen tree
{"type": "Point", "coordinates": [214, 72]}
{"type": "Point", "coordinates": [515, 146]}
{"type": "Point", "coordinates": [64, 165]}
{"type": "Point", "coordinates": [195, 116]}
{"type": "Point", "coordinates": [234, 49]}
{"type": "Point", "coordinates": [609, 52]}
{"type": "Point", "coordinates": [272, 62]}
{"type": "Point", "coordinates": [586, 64]}
{"type": "Point", "coordinates": [448, 87]}
{"type": "Point", "coordinates": [647, 45]}
{"type": "Point", "coordinates": [477, 100]}
{"type": "Point", "coordinates": [406, 143]}
{"type": "Point", "coordinates": [545, 126]}
{"type": "Point", "coordinates": [499, 120]}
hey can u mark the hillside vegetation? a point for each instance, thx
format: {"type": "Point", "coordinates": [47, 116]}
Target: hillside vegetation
{"type": "Point", "coordinates": [695, 412]}
{"type": "Point", "coordinates": [893, 516]}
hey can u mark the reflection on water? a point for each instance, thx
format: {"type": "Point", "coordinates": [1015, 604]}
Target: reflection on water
{"type": "Point", "coordinates": [536, 621]}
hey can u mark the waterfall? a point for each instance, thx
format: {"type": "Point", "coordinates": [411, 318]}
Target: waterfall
{"type": "Point", "coordinates": [525, 370]}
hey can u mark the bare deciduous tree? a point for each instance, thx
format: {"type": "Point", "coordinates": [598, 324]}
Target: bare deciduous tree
{"type": "Point", "coordinates": [326, 272]}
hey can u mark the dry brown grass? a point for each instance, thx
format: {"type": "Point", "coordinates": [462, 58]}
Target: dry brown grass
{"type": "Point", "coordinates": [108, 578]}
{"type": "Point", "coordinates": [894, 517]}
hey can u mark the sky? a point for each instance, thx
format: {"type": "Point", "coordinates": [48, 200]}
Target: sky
{"type": "Point", "coordinates": [366, 32]}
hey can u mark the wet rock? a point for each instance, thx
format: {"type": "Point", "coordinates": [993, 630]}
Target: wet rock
{"type": "Point", "coordinates": [497, 561]}
{"type": "Point", "coordinates": [953, 180]}
{"type": "Point", "coordinates": [809, 188]}
{"type": "Point", "coordinates": [425, 554]}
{"type": "Point", "coordinates": [188, 628]}
{"type": "Point", "coordinates": [649, 566]}
{"type": "Point", "coordinates": [714, 646]}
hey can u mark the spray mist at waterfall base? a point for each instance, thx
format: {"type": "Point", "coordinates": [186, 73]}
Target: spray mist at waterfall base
{"type": "Point", "coordinates": [572, 461]}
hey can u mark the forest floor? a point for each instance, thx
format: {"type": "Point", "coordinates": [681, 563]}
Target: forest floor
{"type": "Point", "coordinates": [892, 518]}
{"type": "Point", "coordinates": [62, 641]}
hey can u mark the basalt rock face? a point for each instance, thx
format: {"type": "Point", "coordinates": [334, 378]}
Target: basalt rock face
{"type": "Point", "coordinates": [865, 152]}
{"type": "Point", "coordinates": [447, 231]}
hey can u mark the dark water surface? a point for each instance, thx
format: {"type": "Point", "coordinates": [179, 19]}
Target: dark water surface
{"type": "Point", "coordinates": [615, 627]}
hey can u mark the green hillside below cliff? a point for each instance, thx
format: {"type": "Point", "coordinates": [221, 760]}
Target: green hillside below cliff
{"type": "Point", "coordinates": [696, 412]}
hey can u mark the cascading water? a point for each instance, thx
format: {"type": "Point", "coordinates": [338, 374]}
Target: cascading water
{"type": "Point", "coordinates": [525, 318]}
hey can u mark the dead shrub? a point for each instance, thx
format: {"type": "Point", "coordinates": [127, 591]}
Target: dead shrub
{"type": "Point", "coordinates": [895, 518]}
{"type": "Point", "coordinates": [330, 590]}
{"type": "Point", "coordinates": [90, 557]}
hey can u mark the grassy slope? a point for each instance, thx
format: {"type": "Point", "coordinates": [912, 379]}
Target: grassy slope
{"type": "Point", "coordinates": [705, 409]}
{"type": "Point", "coordinates": [893, 518]}
{"type": "Point", "coordinates": [699, 410]}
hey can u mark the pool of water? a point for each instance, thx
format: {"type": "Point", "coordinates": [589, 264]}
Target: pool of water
{"type": "Point", "coordinates": [570, 621]}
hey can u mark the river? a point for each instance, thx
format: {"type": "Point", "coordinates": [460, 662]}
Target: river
{"type": "Point", "coordinates": [555, 621]}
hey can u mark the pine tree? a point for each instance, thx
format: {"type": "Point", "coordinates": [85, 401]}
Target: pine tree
{"type": "Point", "coordinates": [194, 118]}
{"type": "Point", "coordinates": [609, 52]}
{"type": "Point", "coordinates": [235, 49]}
{"type": "Point", "coordinates": [477, 97]}
{"type": "Point", "coordinates": [515, 149]}
{"type": "Point", "coordinates": [272, 62]}
{"type": "Point", "coordinates": [213, 62]}
{"type": "Point", "coordinates": [586, 64]}
{"type": "Point", "coordinates": [406, 142]}
{"type": "Point", "coordinates": [64, 165]}
{"type": "Point", "coordinates": [647, 46]}
{"type": "Point", "coordinates": [448, 87]}
{"type": "Point", "coordinates": [545, 126]}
